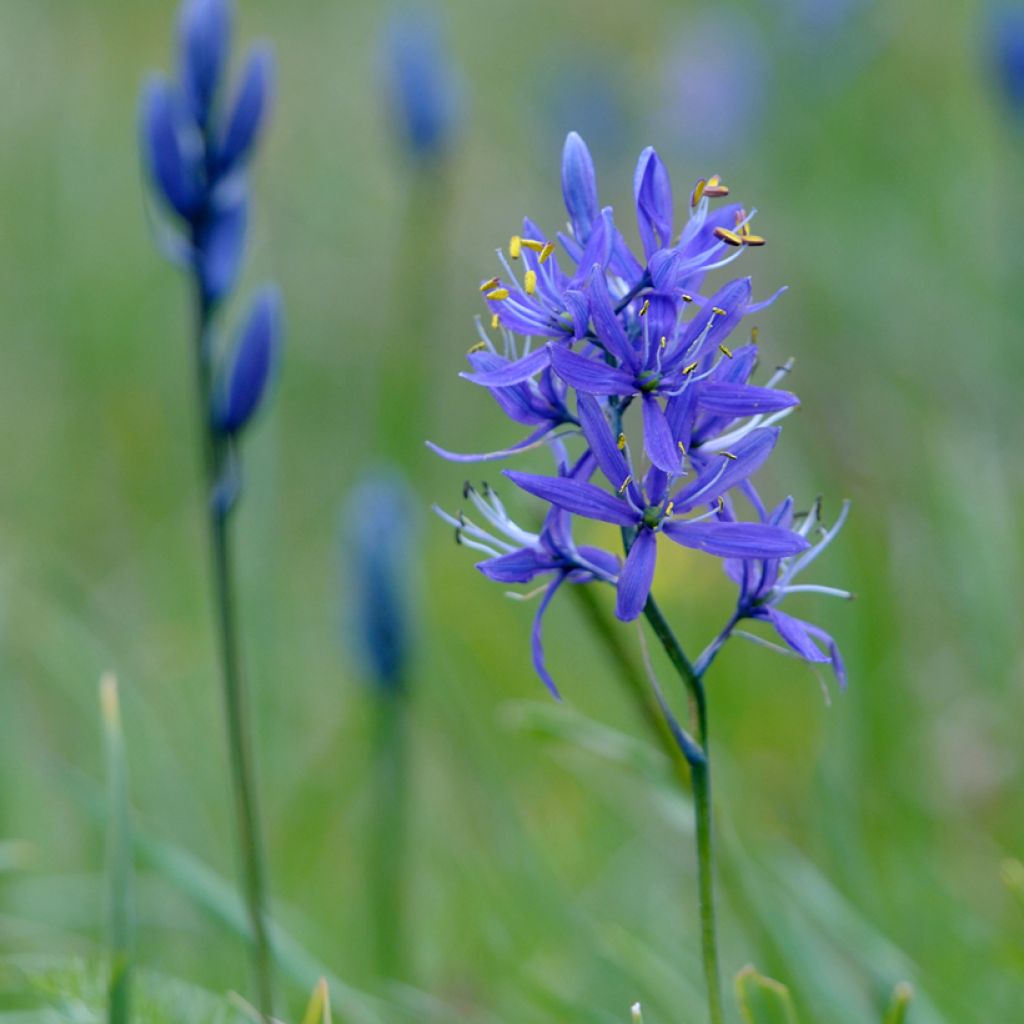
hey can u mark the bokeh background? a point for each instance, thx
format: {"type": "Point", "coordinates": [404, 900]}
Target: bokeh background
{"type": "Point", "coordinates": [864, 836]}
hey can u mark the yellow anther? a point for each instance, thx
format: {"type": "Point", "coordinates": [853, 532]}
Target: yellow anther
{"type": "Point", "coordinates": [686, 297]}
{"type": "Point", "coordinates": [625, 483]}
{"type": "Point", "coordinates": [721, 503]}
{"type": "Point", "coordinates": [492, 283]}
{"type": "Point", "coordinates": [646, 306]}
{"type": "Point", "coordinates": [515, 247]}
{"type": "Point", "coordinates": [498, 294]}
{"type": "Point", "coordinates": [530, 282]}
{"type": "Point", "coordinates": [729, 455]}
{"type": "Point", "coordinates": [755, 240]}
{"type": "Point", "coordinates": [621, 442]}
{"type": "Point", "coordinates": [753, 335]}
{"type": "Point", "coordinates": [549, 248]}
{"type": "Point", "coordinates": [689, 368]}
{"type": "Point", "coordinates": [664, 341]}
{"type": "Point", "coordinates": [682, 447]}
{"type": "Point", "coordinates": [727, 236]}
{"type": "Point", "coordinates": [478, 347]}
{"type": "Point", "coordinates": [725, 351]}
{"type": "Point", "coordinates": [531, 243]}
{"type": "Point", "coordinates": [714, 188]}
{"type": "Point", "coordinates": [494, 322]}
{"type": "Point", "coordinates": [718, 311]}
{"type": "Point", "coordinates": [698, 191]}
{"type": "Point", "coordinates": [668, 508]}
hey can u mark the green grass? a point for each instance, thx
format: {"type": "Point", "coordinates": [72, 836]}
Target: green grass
{"type": "Point", "coordinates": [862, 841]}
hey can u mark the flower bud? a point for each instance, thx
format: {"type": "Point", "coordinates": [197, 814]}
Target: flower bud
{"type": "Point", "coordinates": [249, 109]}
{"type": "Point", "coordinates": [204, 34]}
{"type": "Point", "coordinates": [170, 161]}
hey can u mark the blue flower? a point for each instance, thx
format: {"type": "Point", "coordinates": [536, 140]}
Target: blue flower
{"type": "Point", "coordinates": [422, 89]}
{"type": "Point", "coordinates": [195, 145]}
{"type": "Point", "coordinates": [1006, 46]}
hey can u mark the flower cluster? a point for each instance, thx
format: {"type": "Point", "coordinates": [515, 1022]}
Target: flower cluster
{"type": "Point", "coordinates": [196, 147]}
{"type": "Point", "coordinates": [587, 340]}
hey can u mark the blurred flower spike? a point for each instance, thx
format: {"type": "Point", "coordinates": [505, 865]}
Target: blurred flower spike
{"type": "Point", "coordinates": [1006, 54]}
{"type": "Point", "coordinates": [422, 89]}
{"type": "Point", "coordinates": [196, 143]}
{"type": "Point", "coordinates": [623, 366]}
{"type": "Point", "coordinates": [378, 532]}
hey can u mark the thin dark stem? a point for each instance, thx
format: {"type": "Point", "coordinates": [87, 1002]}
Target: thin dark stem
{"type": "Point", "coordinates": [700, 774]}
{"type": "Point", "coordinates": [236, 699]}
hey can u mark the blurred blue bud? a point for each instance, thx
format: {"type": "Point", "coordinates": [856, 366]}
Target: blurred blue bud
{"type": "Point", "coordinates": [378, 527]}
{"type": "Point", "coordinates": [250, 365]}
{"type": "Point", "coordinates": [579, 186]}
{"type": "Point", "coordinates": [716, 83]}
{"type": "Point", "coordinates": [249, 109]}
{"type": "Point", "coordinates": [169, 158]}
{"type": "Point", "coordinates": [204, 35]}
{"type": "Point", "coordinates": [422, 89]}
{"type": "Point", "coordinates": [220, 243]}
{"type": "Point", "coordinates": [1006, 46]}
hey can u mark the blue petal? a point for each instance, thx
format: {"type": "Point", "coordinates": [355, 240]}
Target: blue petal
{"type": "Point", "coordinates": [536, 640]}
{"type": "Point", "coordinates": [512, 373]}
{"type": "Point", "coordinates": [249, 109]}
{"type": "Point", "coordinates": [607, 325]}
{"type": "Point", "coordinates": [742, 399]}
{"type": "Point", "coordinates": [736, 540]}
{"type": "Point", "coordinates": [590, 376]}
{"type": "Point", "coordinates": [250, 365]}
{"type": "Point", "coordinates": [795, 633]}
{"type": "Point", "coordinates": [516, 567]}
{"type": "Point", "coordinates": [652, 190]}
{"type": "Point", "coordinates": [204, 33]}
{"type": "Point", "coordinates": [169, 161]}
{"type": "Point", "coordinates": [579, 187]}
{"type": "Point", "coordinates": [734, 299]}
{"type": "Point", "coordinates": [715, 479]}
{"type": "Point", "coordinates": [602, 443]}
{"type": "Point", "coordinates": [582, 498]}
{"type": "Point", "coordinates": [658, 441]}
{"type": "Point", "coordinates": [636, 576]}
{"type": "Point", "coordinates": [536, 438]}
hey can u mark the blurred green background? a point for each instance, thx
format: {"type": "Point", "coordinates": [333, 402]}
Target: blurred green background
{"type": "Point", "coordinates": [861, 834]}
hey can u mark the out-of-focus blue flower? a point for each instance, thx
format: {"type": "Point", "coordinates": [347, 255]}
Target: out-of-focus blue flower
{"type": "Point", "coordinates": [195, 145]}
{"type": "Point", "coordinates": [1006, 49]}
{"type": "Point", "coordinates": [423, 91]}
{"type": "Point", "coordinates": [716, 81]}
{"type": "Point", "coordinates": [250, 364]}
{"type": "Point", "coordinates": [379, 527]}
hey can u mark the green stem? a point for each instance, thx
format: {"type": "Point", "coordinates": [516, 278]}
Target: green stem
{"type": "Point", "coordinates": [700, 774]}
{"type": "Point", "coordinates": [236, 699]}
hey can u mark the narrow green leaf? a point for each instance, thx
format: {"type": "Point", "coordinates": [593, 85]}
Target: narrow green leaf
{"type": "Point", "coordinates": [763, 1000]}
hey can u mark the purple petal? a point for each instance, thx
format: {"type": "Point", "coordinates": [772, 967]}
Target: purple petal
{"type": "Point", "coordinates": [516, 567]}
{"type": "Point", "coordinates": [602, 442]}
{"type": "Point", "coordinates": [636, 576]}
{"type": "Point", "coordinates": [795, 633]}
{"type": "Point", "coordinates": [736, 540]}
{"type": "Point", "coordinates": [536, 438]}
{"type": "Point", "coordinates": [715, 479]}
{"type": "Point", "coordinates": [592, 376]}
{"type": "Point", "coordinates": [582, 498]}
{"type": "Point", "coordinates": [658, 442]}
{"type": "Point", "coordinates": [536, 639]}
{"type": "Point", "coordinates": [742, 399]}
{"type": "Point", "coordinates": [607, 325]}
{"type": "Point", "coordinates": [579, 186]}
{"type": "Point", "coordinates": [734, 299]}
{"type": "Point", "coordinates": [652, 190]}
{"type": "Point", "coordinates": [512, 373]}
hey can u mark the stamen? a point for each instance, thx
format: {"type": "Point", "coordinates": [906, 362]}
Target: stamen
{"type": "Point", "coordinates": [478, 347]}
{"type": "Point", "coordinates": [754, 240]}
{"type": "Point", "coordinates": [727, 236]}
{"type": "Point", "coordinates": [698, 191]}
{"type": "Point", "coordinates": [515, 247]}
{"type": "Point", "coordinates": [686, 297]}
{"type": "Point", "coordinates": [754, 331]}
{"type": "Point", "coordinates": [689, 368]}
{"type": "Point", "coordinates": [530, 282]}
{"type": "Point", "coordinates": [498, 294]}
{"type": "Point", "coordinates": [621, 442]}
{"type": "Point", "coordinates": [718, 311]}
{"type": "Point", "coordinates": [729, 455]}
{"type": "Point", "coordinates": [532, 243]}
{"type": "Point", "coordinates": [494, 322]}
{"type": "Point", "coordinates": [625, 483]}
{"type": "Point", "coordinates": [682, 448]}
{"type": "Point", "coordinates": [725, 351]}
{"type": "Point", "coordinates": [721, 500]}
{"type": "Point", "coordinates": [715, 189]}
{"type": "Point", "coordinates": [669, 507]}
{"type": "Point", "coordinates": [545, 253]}
{"type": "Point", "coordinates": [664, 341]}
{"type": "Point", "coordinates": [646, 306]}
{"type": "Point", "coordinates": [492, 283]}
